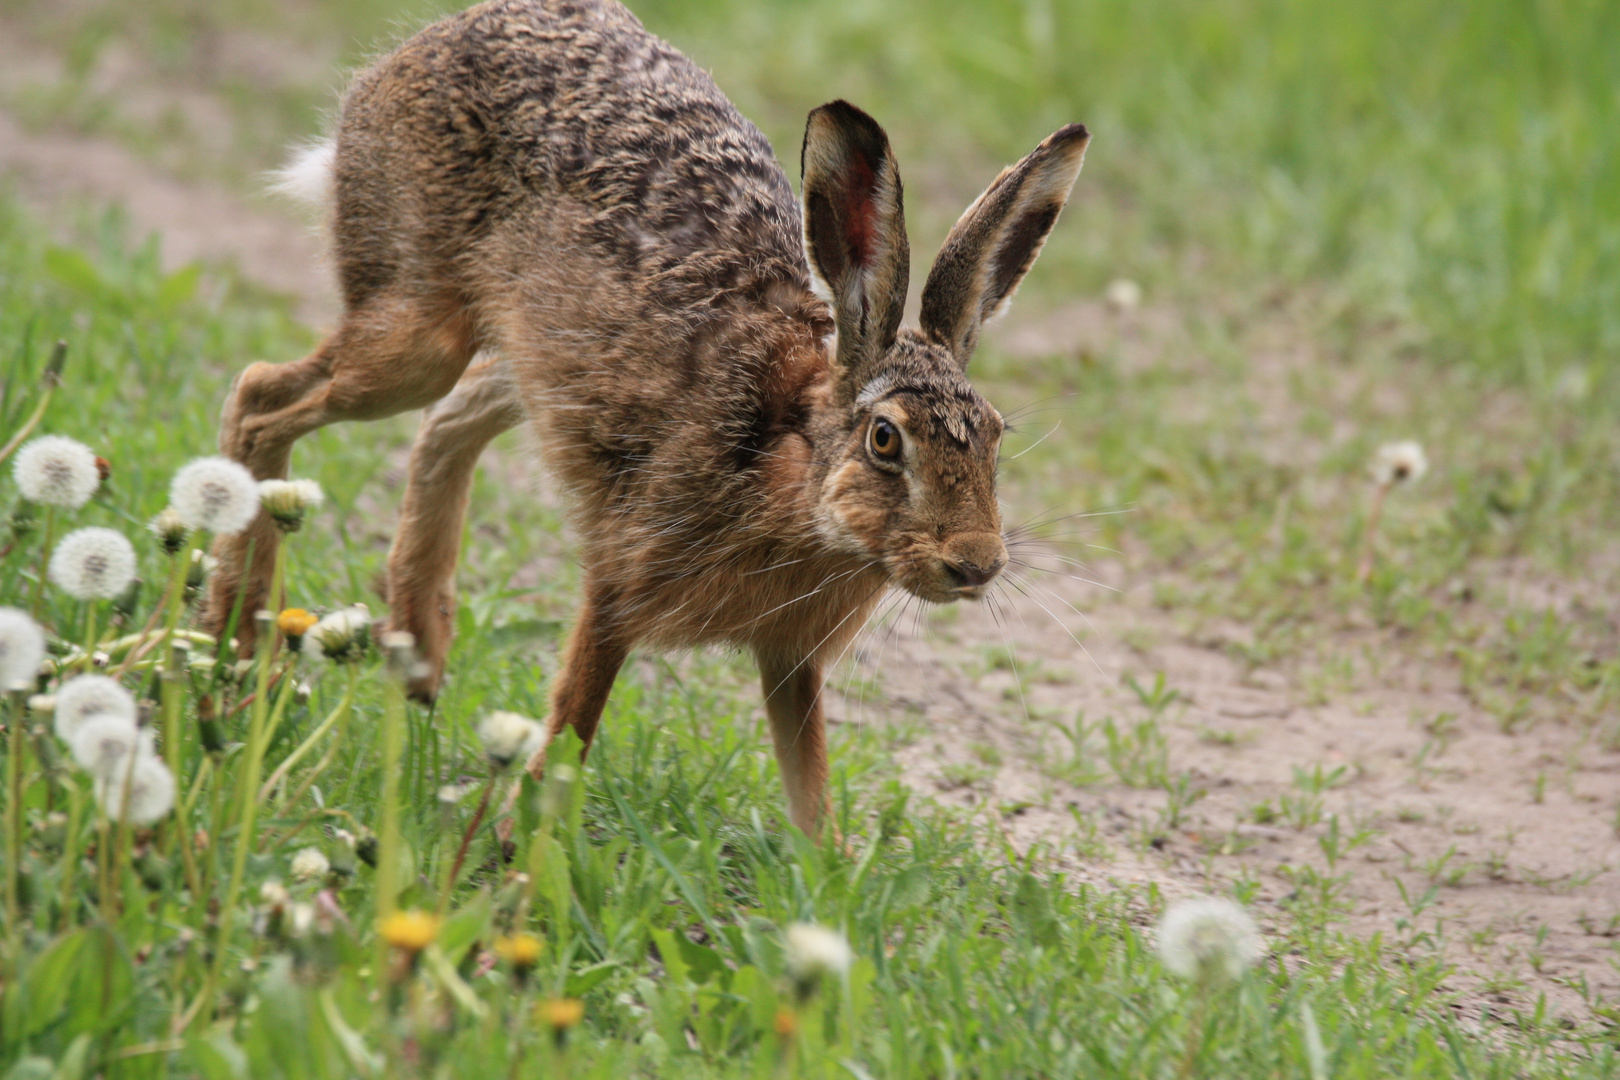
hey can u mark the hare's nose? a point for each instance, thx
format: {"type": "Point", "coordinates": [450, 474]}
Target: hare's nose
{"type": "Point", "coordinates": [970, 575]}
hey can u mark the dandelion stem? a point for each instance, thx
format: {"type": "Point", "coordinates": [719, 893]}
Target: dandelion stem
{"type": "Point", "coordinates": [70, 854]}
{"type": "Point", "coordinates": [249, 782]}
{"type": "Point", "coordinates": [15, 725]}
{"type": "Point", "coordinates": [173, 597]}
{"type": "Point", "coordinates": [49, 533]}
{"type": "Point", "coordinates": [466, 841]}
{"type": "Point", "coordinates": [180, 828]}
{"type": "Point", "coordinates": [49, 382]}
{"type": "Point", "coordinates": [388, 831]}
{"type": "Point", "coordinates": [1364, 568]}
{"type": "Point", "coordinates": [337, 714]}
{"type": "Point", "coordinates": [1195, 1033]}
{"type": "Point", "coordinates": [121, 829]}
{"type": "Point", "coordinates": [89, 634]}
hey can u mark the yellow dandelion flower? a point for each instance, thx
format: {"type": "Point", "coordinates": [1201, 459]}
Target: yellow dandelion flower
{"type": "Point", "coordinates": [519, 950]}
{"type": "Point", "coordinates": [560, 1014]}
{"type": "Point", "coordinates": [295, 622]}
{"type": "Point", "coordinates": [411, 931]}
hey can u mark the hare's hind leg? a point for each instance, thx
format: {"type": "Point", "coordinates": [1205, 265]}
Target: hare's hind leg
{"type": "Point", "coordinates": [422, 562]}
{"type": "Point", "coordinates": [792, 687]}
{"type": "Point", "coordinates": [388, 356]}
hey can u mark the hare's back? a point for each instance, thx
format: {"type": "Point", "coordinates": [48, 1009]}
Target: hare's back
{"type": "Point", "coordinates": [478, 128]}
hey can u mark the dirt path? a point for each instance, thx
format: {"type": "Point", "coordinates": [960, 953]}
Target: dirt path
{"type": "Point", "coordinates": [1514, 833]}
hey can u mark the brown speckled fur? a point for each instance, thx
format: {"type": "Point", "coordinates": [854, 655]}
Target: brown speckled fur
{"type": "Point", "coordinates": [546, 181]}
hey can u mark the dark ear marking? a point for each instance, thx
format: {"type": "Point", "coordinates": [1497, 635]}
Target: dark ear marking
{"type": "Point", "coordinates": [995, 242]}
{"type": "Point", "coordinates": [855, 232]}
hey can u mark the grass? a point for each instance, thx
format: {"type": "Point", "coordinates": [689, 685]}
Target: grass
{"type": "Point", "coordinates": [1352, 223]}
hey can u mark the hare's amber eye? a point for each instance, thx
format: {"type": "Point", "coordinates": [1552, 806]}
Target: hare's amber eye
{"type": "Point", "coordinates": [884, 439]}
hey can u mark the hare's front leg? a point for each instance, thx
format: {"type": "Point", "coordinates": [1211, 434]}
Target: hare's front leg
{"type": "Point", "coordinates": [422, 562]}
{"type": "Point", "coordinates": [596, 650]}
{"type": "Point", "coordinates": [792, 687]}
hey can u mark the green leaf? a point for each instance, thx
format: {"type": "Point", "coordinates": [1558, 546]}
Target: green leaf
{"type": "Point", "coordinates": [40, 997]}
{"type": "Point", "coordinates": [911, 887]}
{"type": "Point", "coordinates": [464, 927]}
{"type": "Point", "coordinates": [587, 979]}
{"type": "Point", "coordinates": [179, 287]}
{"type": "Point", "coordinates": [670, 953]}
{"type": "Point", "coordinates": [215, 1057]}
{"type": "Point", "coordinates": [73, 269]}
{"type": "Point", "coordinates": [76, 1061]}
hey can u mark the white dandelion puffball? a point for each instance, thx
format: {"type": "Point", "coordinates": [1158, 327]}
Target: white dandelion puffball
{"type": "Point", "coordinates": [22, 647]}
{"type": "Point", "coordinates": [93, 564]}
{"type": "Point", "coordinates": [216, 495]}
{"type": "Point", "coordinates": [103, 744]}
{"type": "Point", "coordinates": [343, 634]}
{"type": "Point", "coordinates": [1208, 936]}
{"type": "Point", "coordinates": [310, 865]}
{"type": "Point", "coordinates": [814, 951]}
{"type": "Point", "coordinates": [286, 501]}
{"type": "Point", "coordinates": [507, 737]}
{"type": "Point", "coordinates": [85, 696]}
{"type": "Point", "coordinates": [57, 471]}
{"type": "Point", "coordinates": [1123, 294]}
{"type": "Point", "coordinates": [139, 796]}
{"type": "Point", "coordinates": [1399, 462]}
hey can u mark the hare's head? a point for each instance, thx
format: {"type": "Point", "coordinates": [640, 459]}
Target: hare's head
{"type": "Point", "coordinates": [908, 448]}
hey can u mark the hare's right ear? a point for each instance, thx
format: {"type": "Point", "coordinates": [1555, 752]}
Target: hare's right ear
{"type": "Point", "coordinates": [855, 234]}
{"type": "Point", "coordinates": [995, 242]}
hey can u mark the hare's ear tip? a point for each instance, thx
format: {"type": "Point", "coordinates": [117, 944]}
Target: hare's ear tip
{"type": "Point", "coordinates": [1069, 134]}
{"type": "Point", "coordinates": [842, 113]}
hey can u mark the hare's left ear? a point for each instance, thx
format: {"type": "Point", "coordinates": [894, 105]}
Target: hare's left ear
{"type": "Point", "coordinates": [995, 242]}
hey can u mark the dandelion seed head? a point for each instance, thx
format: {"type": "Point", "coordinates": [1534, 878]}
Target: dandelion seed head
{"type": "Point", "coordinates": [93, 564]}
{"type": "Point", "coordinates": [300, 919]}
{"type": "Point", "coordinates": [1123, 294]}
{"type": "Point", "coordinates": [1399, 463]}
{"type": "Point", "coordinates": [103, 744]}
{"type": "Point", "coordinates": [139, 796]}
{"type": "Point", "coordinates": [310, 864]}
{"type": "Point", "coordinates": [507, 737]}
{"type": "Point", "coordinates": [287, 501]}
{"type": "Point", "coordinates": [814, 951]}
{"type": "Point", "coordinates": [22, 646]}
{"type": "Point", "coordinates": [85, 696]}
{"type": "Point", "coordinates": [57, 471]}
{"type": "Point", "coordinates": [170, 529]}
{"type": "Point", "coordinates": [343, 635]}
{"type": "Point", "coordinates": [215, 494]}
{"type": "Point", "coordinates": [1208, 937]}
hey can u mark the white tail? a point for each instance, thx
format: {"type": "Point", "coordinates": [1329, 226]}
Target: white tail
{"type": "Point", "coordinates": [307, 178]}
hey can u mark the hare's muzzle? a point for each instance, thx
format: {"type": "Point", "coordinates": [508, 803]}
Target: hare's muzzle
{"type": "Point", "coordinates": [969, 562]}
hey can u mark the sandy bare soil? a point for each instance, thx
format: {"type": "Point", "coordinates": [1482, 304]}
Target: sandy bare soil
{"type": "Point", "coordinates": [1515, 833]}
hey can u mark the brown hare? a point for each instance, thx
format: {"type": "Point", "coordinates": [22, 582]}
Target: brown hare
{"type": "Point", "coordinates": [752, 447]}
